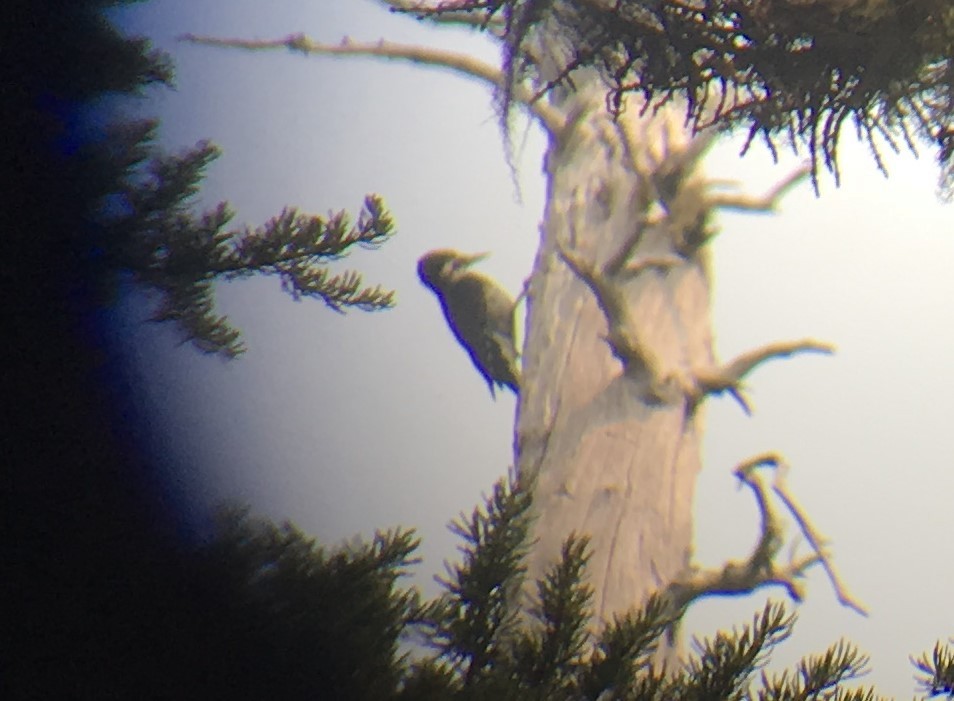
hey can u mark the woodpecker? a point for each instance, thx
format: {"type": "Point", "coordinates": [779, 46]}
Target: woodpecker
{"type": "Point", "coordinates": [478, 311]}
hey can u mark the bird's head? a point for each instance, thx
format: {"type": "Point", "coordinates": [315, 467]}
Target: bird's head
{"type": "Point", "coordinates": [437, 268]}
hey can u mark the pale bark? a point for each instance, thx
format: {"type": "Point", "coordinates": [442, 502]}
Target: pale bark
{"type": "Point", "coordinates": [604, 457]}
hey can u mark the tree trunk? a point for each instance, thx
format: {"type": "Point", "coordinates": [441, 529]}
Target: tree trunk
{"type": "Point", "coordinates": [604, 455]}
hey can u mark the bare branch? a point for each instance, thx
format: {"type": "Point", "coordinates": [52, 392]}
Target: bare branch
{"type": "Point", "coordinates": [815, 539]}
{"type": "Point", "coordinates": [550, 117]}
{"type": "Point", "coordinates": [651, 262]}
{"type": "Point", "coordinates": [729, 376]}
{"type": "Point", "coordinates": [746, 362]}
{"type": "Point", "coordinates": [817, 542]}
{"type": "Point", "coordinates": [759, 569]}
{"type": "Point", "coordinates": [767, 202]}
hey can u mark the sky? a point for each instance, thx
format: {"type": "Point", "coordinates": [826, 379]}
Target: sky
{"type": "Point", "coordinates": [346, 423]}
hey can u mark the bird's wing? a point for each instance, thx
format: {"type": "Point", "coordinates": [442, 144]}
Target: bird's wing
{"type": "Point", "coordinates": [497, 305]}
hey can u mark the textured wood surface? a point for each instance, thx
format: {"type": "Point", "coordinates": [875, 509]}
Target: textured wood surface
{"type": "Point", "coordinates": [603, 460]}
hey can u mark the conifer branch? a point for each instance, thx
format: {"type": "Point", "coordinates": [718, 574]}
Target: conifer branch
{"type": "Point", "coordinates": [550, 649]}
{"type": "Point", "coordinates": [182, 259]}
{"type": "Point", "coordinates": [722, 666]}
{"type": "Point", "coordinates": [468, 623]}
{"type": "Point", "coordinates": [148, 229]}
{"type": "Point", "coordinates": [782, 71]}
{"type": "Point", "coordinates": [937, 671]}
{"type": "Point", "coordinates": [445, 13]}
{"type": "Point", "coordinates": [286, 594]}
{"type": "Point", "coordinates": [820, 676]}
{"type": "Point", "coordinates": [622, 658]}
{"type": "Point", "coordinates": [550, 117]}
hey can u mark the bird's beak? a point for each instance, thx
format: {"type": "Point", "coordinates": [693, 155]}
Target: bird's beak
{"type": "Point", "coordinates": [475, 258]}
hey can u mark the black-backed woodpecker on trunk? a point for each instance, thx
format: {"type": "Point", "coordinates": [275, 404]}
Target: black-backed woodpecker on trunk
{"type": "Point", "coordinates": [479, 312]}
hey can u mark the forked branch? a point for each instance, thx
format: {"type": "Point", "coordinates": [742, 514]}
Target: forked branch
{"type": "Point", "coordinates": [760, 568]}
{"type": "Point", "coordinates": [814, 538]}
